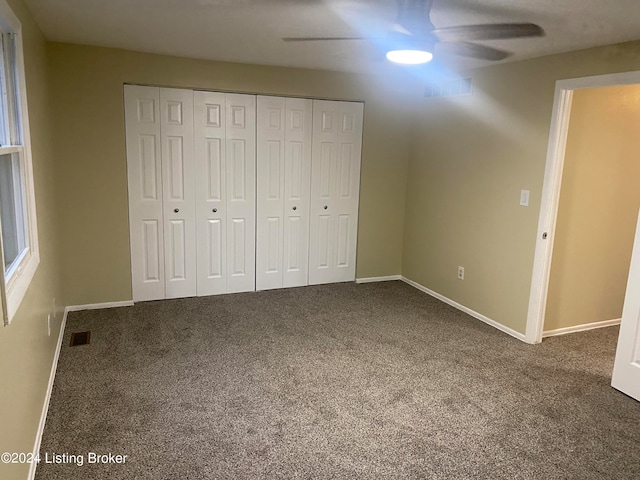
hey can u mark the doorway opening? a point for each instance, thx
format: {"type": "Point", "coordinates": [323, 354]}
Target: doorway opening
{"type": "Point", "coordinates": [597, 211]}
{"type": "Point", "coordinates": [551, 214]}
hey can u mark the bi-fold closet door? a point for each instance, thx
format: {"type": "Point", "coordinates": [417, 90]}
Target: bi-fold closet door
{"type": "Point", "coordinates": [191, 175]}
{"type": "Point", "coordinates": [161, 195]}
{"type": "Point", "coordinates": [225, 144]}
{"type": "Point", "coordinates": [193, 191]}
{"type": "Point", "coordinates": [335, 190]}
{"type": "Point", "coordinates": [308, 189]}
{"type": "Point", "coordinates": [283, 189]}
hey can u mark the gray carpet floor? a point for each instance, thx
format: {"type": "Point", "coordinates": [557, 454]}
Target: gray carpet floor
{"type": "Point", "coordinates": [334, 382]}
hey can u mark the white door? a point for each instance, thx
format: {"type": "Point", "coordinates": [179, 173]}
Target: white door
{"type": "Point", "coordinates": [178, 173]}
{"type": "Point", "coordinates": [284, 164]}
{"type": "Point", "coordinates": [241, 192]}
{"type": "Point", "coordinates": [211, 215]}
{"type": "Point", "coordinates": [270, 192]}
{"type": "Point", "coordinates": [335, 188]}
{"type": "Point", "coordinates": [626, 370]}
{"type": "Point", "coordinates": [144, 171]}
{"type": "Point", "coordinates": [297, 191]}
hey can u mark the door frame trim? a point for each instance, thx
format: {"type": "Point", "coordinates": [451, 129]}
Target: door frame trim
{"type": "Point", "coordinates": [550, 200]}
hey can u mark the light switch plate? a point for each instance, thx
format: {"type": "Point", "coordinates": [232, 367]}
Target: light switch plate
{"type": "Point", "coordinates": [524, 198]}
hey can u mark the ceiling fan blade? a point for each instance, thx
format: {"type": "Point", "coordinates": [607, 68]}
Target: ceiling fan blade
{"type": "Point", "coordinates": [473, 50]}
{"type": "Point", "coordinates": [493, 31]}
{"type": "Point", "coordinates": [321, 39]}
{"type": "Point", "coordinates": [415, 15]}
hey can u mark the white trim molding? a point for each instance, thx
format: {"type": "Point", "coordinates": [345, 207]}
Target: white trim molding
{"type": "Point", "coordinates": [581, 328]}
{"type": "Point", "coordinates": [99, 306]}
{"type": "Point", "coordinates": [548, 213]}
{"type": "Point", "coordinates": [551, 191]}
{"type": "Point", "coordinates": [388, 278]}
{"type": "Point", "coordinates": [47, 398]}
{"type": "Point", "coordinates": [462, 308]}
{"type": "Point", "coordinates": [16, 287]}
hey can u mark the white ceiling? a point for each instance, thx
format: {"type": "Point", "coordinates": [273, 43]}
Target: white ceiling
{"type": "Point", "coordinates": [250, 31]}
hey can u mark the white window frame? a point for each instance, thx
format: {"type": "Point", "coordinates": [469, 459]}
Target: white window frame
{"type": "Point", "coordinates": [13, 289]}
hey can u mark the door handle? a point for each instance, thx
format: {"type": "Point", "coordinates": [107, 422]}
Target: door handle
{"type": "Point", "coordinates": [295, 208]}
{"type": "Point", "coordinates": [325, 207]}
{"type": "Point", "coordinates": [214, 210]}
{"type": "Point", "coordinates": [176, 210]}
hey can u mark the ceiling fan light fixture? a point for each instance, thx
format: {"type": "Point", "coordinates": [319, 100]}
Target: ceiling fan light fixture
{"type": "Point", "coordinates": [409, 56]}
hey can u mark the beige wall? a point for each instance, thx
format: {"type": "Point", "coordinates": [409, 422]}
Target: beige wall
{"type": "Point", "coordinates": [90, 153]}
{"type": "Point", "coordinates": [470, 158]}
{"type": "Point", "coordinates": [459, 163]}
{"type": "Point", "coordinates": [26, 351]}
{"type": "Point", "coordinates": [598, 208]}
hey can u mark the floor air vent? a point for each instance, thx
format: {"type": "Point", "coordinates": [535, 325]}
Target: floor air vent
{"type": "Point", "coordinates": [80, 338]}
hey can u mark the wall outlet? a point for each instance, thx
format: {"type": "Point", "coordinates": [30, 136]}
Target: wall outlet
{"type": "Point", "coordinates": [461, 273]}
{"type": "Point", "coordinates": [524, 198]}
{"type": "Point", "coordinates": [49, 324]}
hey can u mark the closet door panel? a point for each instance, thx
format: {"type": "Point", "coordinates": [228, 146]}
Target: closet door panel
{"type": "Point", "coordinates": [178, 172]}
{"type": "Point", "coordinates": [144, 173]}
{"type": "Point", "coordinates": [241, 191]}
{"type": "Point", "coordinates": [322, 246]}
{"type": "Point", "coordinates": [211, 191]}
{"type": "Point", "coordinates": [270, 191]}
{"type": "Point", "coordinates": [297, 184]}
{"type": "Point", "coordinates": [348, 188]}
{"type": "Point", "coordinates": [337, 148]}
{"type": "Point", "coordinates": [284, 163]}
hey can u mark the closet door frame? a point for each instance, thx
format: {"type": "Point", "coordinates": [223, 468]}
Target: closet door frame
{"type": "Point", "coordinates": [203, 187]}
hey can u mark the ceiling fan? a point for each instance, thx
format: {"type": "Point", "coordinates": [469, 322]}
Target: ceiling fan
{"type": "Point", "coordinates": [414, 38]}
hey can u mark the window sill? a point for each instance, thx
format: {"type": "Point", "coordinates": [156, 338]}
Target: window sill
{"type": "Point", "coordinates": [20, 284]}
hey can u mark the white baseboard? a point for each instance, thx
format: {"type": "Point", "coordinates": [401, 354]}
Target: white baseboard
{"type": "Point", "coordinates": [388, 278]}
{"type": "Point", "coordinates": [47, 398]}
{"type": "Point", "coordinates": [581, 328]}
{"type": "Point", "coordinates": [468, 311]}
{"type": "Point", "coordinates": [54, 368]}
{"type": "Point", "coordinates": [97, 306]}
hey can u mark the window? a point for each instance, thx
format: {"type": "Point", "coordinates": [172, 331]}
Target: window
{"type": "Point", "coordinates": [19, 245]}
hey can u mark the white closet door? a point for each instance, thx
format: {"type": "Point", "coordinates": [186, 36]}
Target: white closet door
{"type": "Point", "coordinates": [284, 169]}
{"type": "Point", "coordinates": [241, 192]}
{"type": "Point", "coordinates": [176, 114]}
{"type": "Point", "coordinates": [297, 194]}
{"type": "Point", "coordinates": [270, 191]}
{"type": "Point", "coordinates": [144, 171]}
{"type": "Point", "coordinates": [211, 231]}
{"type": "Point", "coordinates": [335, 186]}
